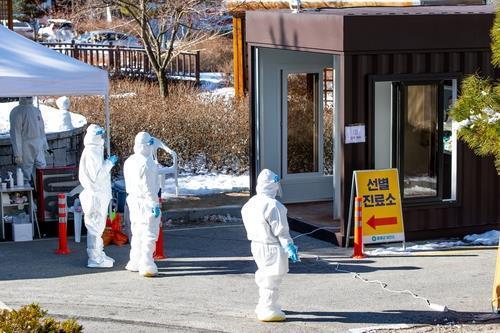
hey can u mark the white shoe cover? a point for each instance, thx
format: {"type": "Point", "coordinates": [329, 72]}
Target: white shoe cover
{"type": "Point", "coordinates": [132, 267]}
{"type": "Point", "coordinates": [150, 272]}
{"type": "Point", "coordinates": [101, 262]}
{"type": "Point", "coordinates": [108, 258]}
{"type": "Point", "coordinates": [270, 316]}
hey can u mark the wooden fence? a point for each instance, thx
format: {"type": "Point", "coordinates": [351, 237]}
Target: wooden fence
{"type": "Point", "coordinates": [6, 13]}
{"type": "Point", "coordinates": [129, 61]}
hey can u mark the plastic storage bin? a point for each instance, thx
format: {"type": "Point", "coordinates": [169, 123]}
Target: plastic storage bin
{"type": "Point", "coordinates": [22, 232]}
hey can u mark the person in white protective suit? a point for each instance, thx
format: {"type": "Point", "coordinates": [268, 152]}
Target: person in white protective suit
{"type": "Point", "coordinates": [27, 134]}
{"type": "Point", "coordinates": [142, 185]}
{"type": "Point", "coordinates": [266, 224]}
{"type": "Point", "coordinates": [95, 178]}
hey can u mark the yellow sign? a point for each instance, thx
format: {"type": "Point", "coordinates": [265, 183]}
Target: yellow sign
{"type": "Point", "coordinates": [382, 212]}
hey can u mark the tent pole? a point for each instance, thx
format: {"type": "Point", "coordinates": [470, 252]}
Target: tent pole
{"type": "Point", "coordinates": [108, 136]}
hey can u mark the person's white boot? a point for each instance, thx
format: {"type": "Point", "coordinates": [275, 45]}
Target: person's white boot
{"type": "Point", "coordinates": [99, 262]}
{"type": "Point", "coordinates": [107, 258]}
{"type": "Point", "coordinates": [270, 315]}
{"type": "Point", "coordinates": [149, 270]}
{"type": "Point", "coordinates": [131, 267]}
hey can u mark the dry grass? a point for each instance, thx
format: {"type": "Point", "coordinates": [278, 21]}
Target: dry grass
{"type": "Point", "coordinates": [206, 133]}
{"type": "Point", "coordinates": [217, 55]}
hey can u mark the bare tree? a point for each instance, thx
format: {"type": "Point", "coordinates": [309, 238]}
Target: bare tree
{"type": "Point", "coordinates": [167, 28]}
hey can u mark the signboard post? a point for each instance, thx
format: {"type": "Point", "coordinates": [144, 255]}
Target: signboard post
{"type": "Point", "coordinates": [381, 204]}
{"type": "Point", "coordinates": [495, 305]}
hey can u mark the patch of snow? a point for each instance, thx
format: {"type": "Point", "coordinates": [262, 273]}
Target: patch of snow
{"type": "Point", "coordinates": [199, 185]}
{"type": "Point", "coordinates": [417, 190]}
{"type": "Point", "coordinates": [212, 80]}
{"type": "Point", "coordinates": [222, 218]}
{"type": "Point", "coordinates": [124, 95]}
{"type": "Point", "coordinates": [489, 238]}
{"type": "Point", "coordinates": [226, 94]}
{"type": "Point", "coordinates": [53, 118]}
{"type": "Point", "coordinates": [425, 179]}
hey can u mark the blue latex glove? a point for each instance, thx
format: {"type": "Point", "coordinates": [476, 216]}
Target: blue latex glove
{"type": "Point", "coordinates": [151, 142]}
{"type": "Point", "coordinates": [292, 249]}
{"type": "Point", "coordinates": [113, 159]}
{"type": "Point", "coordinates": [156, 211]}
{"type": "Point", "coordinates": [100, 132]}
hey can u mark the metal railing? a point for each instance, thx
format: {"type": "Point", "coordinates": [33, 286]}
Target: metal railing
{"type": "Point", "coordinates": [129, 61]}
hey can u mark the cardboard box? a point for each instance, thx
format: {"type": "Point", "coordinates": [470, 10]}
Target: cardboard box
{"type": "Point", "coordinates": [22, 232]}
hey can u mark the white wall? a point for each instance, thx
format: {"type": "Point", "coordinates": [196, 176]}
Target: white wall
{"type": "Point", "coordinates": [383, 125]}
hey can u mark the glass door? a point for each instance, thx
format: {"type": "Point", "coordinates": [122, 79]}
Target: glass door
{"type": "Point", "coordinates": [303, 120]}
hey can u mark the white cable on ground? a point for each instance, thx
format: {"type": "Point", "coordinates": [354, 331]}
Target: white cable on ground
{"type": "Point", "coordinates": [433, 306]}
{"type": "Point", "coordinates": [312, 232]}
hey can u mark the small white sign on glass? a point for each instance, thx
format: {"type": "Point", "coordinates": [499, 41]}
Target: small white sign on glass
{"type": "Point", "coordinates": [355, 134]}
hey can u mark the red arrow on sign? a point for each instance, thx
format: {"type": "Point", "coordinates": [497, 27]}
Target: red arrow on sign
{"type": "Point", "coordinates": [374, 222]}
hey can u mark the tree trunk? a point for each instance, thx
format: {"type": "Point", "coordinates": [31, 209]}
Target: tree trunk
{"type": "Point", "coordinates": [162, 83]}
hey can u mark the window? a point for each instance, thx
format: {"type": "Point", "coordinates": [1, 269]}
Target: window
{"type": "Point", "coordinates": [412, 132]}
{"type": "Point", "coordinates": [418, 148]}
{"type": "Point", "coordinates": [302, 121]}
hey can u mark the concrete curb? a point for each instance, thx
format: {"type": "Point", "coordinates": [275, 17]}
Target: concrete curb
{"type": "Point", "coordinates": [192, 214]}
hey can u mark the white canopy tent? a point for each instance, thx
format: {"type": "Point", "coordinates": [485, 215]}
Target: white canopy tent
{"type": "Point", "coordinates": [30, 69]}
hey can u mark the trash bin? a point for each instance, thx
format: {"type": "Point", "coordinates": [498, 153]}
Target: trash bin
{"type": "Point", "coordinates": [120, 194]}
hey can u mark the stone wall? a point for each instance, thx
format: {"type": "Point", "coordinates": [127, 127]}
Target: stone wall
{"type": "Point", "coordinates": [67, 147]}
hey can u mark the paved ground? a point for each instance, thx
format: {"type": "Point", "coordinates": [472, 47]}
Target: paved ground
{"type": "Point", "coordinates": [206, 285]}
{"type": "Point", "coordinates": [206, 201]}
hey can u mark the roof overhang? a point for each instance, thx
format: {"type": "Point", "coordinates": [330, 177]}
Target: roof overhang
{"type": "Point", "coordinates": [374, 29]}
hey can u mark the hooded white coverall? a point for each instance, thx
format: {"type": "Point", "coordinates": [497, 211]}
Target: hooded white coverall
{"type": "Point", "coordinates": [142, 185]}
{"type": "Point", "coordinates": [95, 178]}
{"type": "Point", "coordinates": [266, 224]}
{"type": "Point", "coordinates": [27, 134]}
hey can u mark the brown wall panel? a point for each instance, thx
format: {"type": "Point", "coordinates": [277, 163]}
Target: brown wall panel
{"type": "Point", "coordinates": [478, 183]}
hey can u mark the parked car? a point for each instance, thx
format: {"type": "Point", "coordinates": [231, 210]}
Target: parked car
{"type": "Point", "coordinates": [57, 30]}
{"type": "Point", "coordinates": [109, 36]}
{"type": "Point", "coordinates": [22, 28]}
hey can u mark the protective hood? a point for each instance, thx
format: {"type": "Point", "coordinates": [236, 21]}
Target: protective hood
{"type": "Point", "coordinates": [142, 144]}
{"type": "Point", "coordinates": [268, 183]}
{"type": "Point", "coordinates": [26, 101]}
{"type": "Point", "coordinates": [94, 136]}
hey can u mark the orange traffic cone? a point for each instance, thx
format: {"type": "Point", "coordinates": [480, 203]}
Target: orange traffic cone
{"type": "Point", "coordinates": [159, 246]}
{"type": "Point", "coordinates": [62, 210]}
{"type": "Point", "coordinates": [358, 230]}
{"type": "Point", "coordinates": [159, 242]}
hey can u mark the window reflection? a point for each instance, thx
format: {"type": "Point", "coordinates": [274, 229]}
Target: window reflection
{"type": "Point", "coordinates": [420, 141]}
{"type": "Point", "coordinates": [302, 120]}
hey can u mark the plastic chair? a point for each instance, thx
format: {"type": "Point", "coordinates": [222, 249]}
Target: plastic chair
{"type": "Point", "coordinates": [166, 170]}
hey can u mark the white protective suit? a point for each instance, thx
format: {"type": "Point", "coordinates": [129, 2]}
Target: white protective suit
{"type": "Point", "coordinates": [266, 224]}
{"type": "Point", "coordinates": [95, 178]}
{"type": "Point", "coordinates": [142, 185]}
{"type": "Point", "coordinates": [27, 134]}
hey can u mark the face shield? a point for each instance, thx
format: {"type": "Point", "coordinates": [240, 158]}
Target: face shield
{"type": "Point", "coordinates": [100, 132]}
{"type": "Point", "coordinates": [279, 192]}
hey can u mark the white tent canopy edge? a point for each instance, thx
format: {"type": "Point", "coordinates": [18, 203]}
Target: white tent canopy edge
{"type": "Point", "coordinates": [30, 69]}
